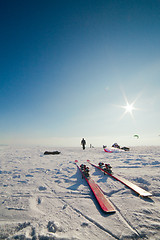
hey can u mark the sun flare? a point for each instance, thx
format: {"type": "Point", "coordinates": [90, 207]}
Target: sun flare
{"type": "Point", "coordinates": [129, 108]}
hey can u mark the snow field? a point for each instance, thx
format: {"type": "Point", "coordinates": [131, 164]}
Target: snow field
{"type": "Point", "coordinates": [45, 197]}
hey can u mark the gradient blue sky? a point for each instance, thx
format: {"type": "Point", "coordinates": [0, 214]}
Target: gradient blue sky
{"type": "Point", "coordinates": [67, 67]}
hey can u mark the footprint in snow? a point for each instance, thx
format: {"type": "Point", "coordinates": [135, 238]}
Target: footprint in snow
{"type": "Point", "coordinates": [39, 200]}
{"type": "Point", "coordinates": [64, 207]}
{"type": "Point", "coordinates": [41, 188]}
{"type": "Point", "coordinates": [84, 224]}
{"type": "Point", "coordinates": [54, 226]}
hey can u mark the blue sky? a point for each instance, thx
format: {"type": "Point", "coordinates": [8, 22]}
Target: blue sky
{"type": "Point", "coordinates": [67, 67]}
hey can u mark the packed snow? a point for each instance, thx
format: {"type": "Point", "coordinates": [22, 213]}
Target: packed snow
{"type": "Point", "coordinates": [44, 196]}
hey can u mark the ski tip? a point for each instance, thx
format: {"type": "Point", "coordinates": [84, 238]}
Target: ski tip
{"type": "Point", "coordinates": [110, 211]}
{"type": "Point", "coordinates": [88, 160]}
{"type": "Point", "coordinates": [76, 161]}
{"type": "Point", "coordinates": [146, 195]}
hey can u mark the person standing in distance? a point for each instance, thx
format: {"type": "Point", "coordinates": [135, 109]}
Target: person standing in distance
{"type": "Point", "coordinates": [83, 143]}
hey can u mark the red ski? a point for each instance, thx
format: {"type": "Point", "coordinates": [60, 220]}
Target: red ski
{"type": "Point", "coordinates": [132, 186]}
{"type": "Point", "coordinates": [104, 203]}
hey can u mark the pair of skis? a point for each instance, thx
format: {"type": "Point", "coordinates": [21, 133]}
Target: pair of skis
{"type": "Point", "coordinates": [104, 203]}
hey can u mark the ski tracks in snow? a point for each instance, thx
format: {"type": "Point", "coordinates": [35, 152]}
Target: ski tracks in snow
{"type": "Point", "coordinates": [72, 194]}
{"type": "Point", "coordinates": [92, 221]}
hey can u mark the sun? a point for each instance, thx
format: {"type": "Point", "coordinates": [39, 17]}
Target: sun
{"type": "Point", "coordinates": [129, 108]}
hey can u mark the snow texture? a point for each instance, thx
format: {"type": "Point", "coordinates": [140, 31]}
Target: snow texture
{"type": "Point", "coordinates": [44, 196]}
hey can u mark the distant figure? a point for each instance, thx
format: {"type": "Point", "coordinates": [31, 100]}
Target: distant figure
{"type": "Point", "coordinates": [83, 143]}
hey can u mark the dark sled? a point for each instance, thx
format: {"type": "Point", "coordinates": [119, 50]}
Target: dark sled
{"type": "Point", "coordinates": [125, 148]}
{"type": "Point", "coordinates": [51, 153]}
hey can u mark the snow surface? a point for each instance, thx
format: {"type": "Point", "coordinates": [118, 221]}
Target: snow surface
{"type": "Point", "coordinates": [44, 196]}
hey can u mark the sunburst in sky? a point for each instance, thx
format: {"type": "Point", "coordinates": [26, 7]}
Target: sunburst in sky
{"type": "Point", "coordinates": [129, 107]}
